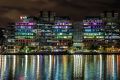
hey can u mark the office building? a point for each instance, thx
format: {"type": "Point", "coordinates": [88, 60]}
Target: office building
{"type": "Point", "coordinates": [112, 28]}
{"type": "Point", "coordinates": [45, 25]}
{"type": "Point", "coordinates": [93, 31]}
{"type": "Point", "coordinates": [24, 33]}
{"type": "Point", "coordinates": [63, 31]}
{"type": "Point", "coordinates": [78, 35]}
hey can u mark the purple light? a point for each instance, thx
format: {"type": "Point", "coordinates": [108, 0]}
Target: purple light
{"type": "Point", "coordinates": [30, 23]}
{"type": "Point", "coordinates": [60, 23]}
{"type": "Point", "coordinates": [56, 26]}
{"type": "Point", "coordinates": [29, 27]}
{"type": "Point", "coordinates": [66, 26]}
{"type": "Point", "coordinates": [63, 23]}
{"type": "Point", "coordinates": [22, 26]}
{"type": "Point", "coordinates": [94, 23]}
{"type": "Point", "coordinates": [25, 23]}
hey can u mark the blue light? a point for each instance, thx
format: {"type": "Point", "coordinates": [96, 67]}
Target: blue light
{"type": "Point", "coordinates": [88, 30]}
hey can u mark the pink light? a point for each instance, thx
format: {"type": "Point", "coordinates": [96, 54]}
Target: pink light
{"type": "Point", "coordinates": [25, 23]}
{"type": "Point", "coordinates": [94, 23]}
{"type": "Point", "coordinates": [21, 17]}
{"type": "Point", "coordinates": [17, 23]}
{"type": "Point", "coordinates": [60, 23]}
{"type": "Point", "coordinates": [30, 23]}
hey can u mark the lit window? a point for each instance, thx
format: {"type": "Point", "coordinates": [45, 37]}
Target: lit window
{"type": "Point", "coordinates": [65, 37]}
{"type": "Point", "coordinates": [61, 33]}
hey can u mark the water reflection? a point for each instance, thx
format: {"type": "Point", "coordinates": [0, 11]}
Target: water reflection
{"type": "Point", "coordinates": [62, 67]}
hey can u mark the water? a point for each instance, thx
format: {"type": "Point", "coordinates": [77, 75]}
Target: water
{"type": "Point", "coordinates": [62, 67]}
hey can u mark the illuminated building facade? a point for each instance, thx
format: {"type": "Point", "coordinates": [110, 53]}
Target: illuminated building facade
{"type": "Point", "coordinates": [63, 32]}
{"type": "Point", "coordinates": [45, 25]}
{"type": "Point", "coordinates": [45, 33]}
{"type": "Point", "coordinates": [24, 32]}
{"type": "Point", "coordinates": [112, 28]}
{"type": "Point", "coordinates": [47, 16]}
{"type": "Point", "coordinates": [93, 31]}
{"type": "Point", "coordinates": [78, 35]}
{"type": "Point", "coordinates": [2, 36]}
{"type": "Point", "coordinates": [49, 32]}
{"type": "Point", "coordinates": [10, 34]}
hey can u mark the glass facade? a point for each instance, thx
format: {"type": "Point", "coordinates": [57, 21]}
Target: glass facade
{"type": "Point", "coordinates": [93, 31]}
{"type": "Point", "coordinates": [47, 32]}
{"type": "Point", "coordinates": [112, 30]}
{"type": "Point", "coordinates": [24, 33]}
{"type": "Point", "coordinates": [63, 32]}
{"type": "Point", "coordinates": [45, 29]}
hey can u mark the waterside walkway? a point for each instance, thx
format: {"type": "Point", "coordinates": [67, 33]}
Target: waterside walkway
{"type": "Point", "coordinates": [63, 53]}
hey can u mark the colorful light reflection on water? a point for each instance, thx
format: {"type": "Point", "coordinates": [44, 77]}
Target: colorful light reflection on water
{"type": "Point", "coordinates": [59, 67]}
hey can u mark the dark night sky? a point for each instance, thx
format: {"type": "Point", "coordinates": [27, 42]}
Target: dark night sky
{"type": "Point", "coordinates": [10, 10]}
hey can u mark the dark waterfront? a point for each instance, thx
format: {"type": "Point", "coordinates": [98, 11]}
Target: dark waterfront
{"type": "Point", "coordinates": [59, 67]}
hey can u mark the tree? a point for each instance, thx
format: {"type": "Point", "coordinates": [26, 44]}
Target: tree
{"type": "Point", "coordinates": [2, 38]}
{"type": "Point", "coordinates": [94, 47]}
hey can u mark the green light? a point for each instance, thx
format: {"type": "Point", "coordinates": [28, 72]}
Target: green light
{"type": "Point", "coordinates": [61, 34]}
{"type": "Point", "coordinates": [70, 33]}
